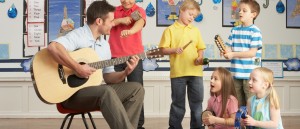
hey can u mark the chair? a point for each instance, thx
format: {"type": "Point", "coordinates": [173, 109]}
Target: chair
{"type": "Point", "coordinates": [71, 113]}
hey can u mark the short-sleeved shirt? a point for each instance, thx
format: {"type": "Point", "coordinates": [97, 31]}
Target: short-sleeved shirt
{"type": "Point", "coordinates": [260, 110]}
{"type": "Point", "coordinates": [130, 45]}
{"type": "Point", "coordinates": [243, 39]}
{"type": "Point", "coordinates": [178, 35]}
{"type": "Point", "coordinates": [82, 38]}
{"type": "Point", "coordinates": [215, 105]}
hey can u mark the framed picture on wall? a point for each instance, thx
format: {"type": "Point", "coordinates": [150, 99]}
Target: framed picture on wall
{"type": "Point", "coordinates": [167, 11]}
{"type": "Point", "coordinates": [64, 16]}
{"type": "Point", "coordinates": [230, 12]}
{"type": "Point", "coordinates": [292, 13]}
{"type": "Point", "coordinates": [275, 66]}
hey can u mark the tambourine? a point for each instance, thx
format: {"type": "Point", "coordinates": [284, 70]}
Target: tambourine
{"type": "Point", "coordinates": [205, 114]}
{"type": "Point", "coordinates": [241, 114]}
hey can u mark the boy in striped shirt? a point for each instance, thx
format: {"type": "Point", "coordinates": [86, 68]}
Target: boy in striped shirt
{"type": "Point", "coordinates": [244, 48]}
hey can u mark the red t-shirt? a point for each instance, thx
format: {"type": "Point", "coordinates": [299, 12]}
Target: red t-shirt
{"type": "Point", "coordinates": [125, 46]}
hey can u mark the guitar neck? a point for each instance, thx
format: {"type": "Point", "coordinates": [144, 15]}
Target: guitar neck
{"type": "Point", "coordinates": [115, 61]}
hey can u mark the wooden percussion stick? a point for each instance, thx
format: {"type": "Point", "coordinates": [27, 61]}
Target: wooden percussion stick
{"type": "Point", "coordinates": [187, 44]}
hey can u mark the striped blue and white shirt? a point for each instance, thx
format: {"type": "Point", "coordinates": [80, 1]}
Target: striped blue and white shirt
{"type": "Point", "coordinates": [243, 39]}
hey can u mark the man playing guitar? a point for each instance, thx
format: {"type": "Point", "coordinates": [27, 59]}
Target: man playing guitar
{"type": "Point", "coordinates": [120, 103]}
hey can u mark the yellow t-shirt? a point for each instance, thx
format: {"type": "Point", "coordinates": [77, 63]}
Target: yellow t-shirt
{"type": "Point", "coordinates": [177, 35]}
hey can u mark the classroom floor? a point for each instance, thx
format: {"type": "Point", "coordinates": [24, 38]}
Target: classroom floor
{"type": "Point", "coordinates": [291, 122]}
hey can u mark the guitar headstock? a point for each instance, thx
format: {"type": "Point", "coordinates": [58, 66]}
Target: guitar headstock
{"type": "Point", "coordinates": [154, 53]}
{"type": "Point", "coordinates": [220, 44]}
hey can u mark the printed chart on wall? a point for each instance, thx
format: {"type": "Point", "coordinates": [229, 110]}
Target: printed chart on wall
{"type": "Point", "coordinates": [34, 26]}
{"type": "Point", "coordinates": [47, 20]}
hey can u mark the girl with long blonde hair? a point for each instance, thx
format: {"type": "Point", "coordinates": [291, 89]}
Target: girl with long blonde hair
{"type": "Point", "coordinates": [263, 107]}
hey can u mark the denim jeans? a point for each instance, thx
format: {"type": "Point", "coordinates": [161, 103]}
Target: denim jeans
{"type": "Point", "coordinates": [135, 76]}
{"type": "Point", "coordinates": [194, 86]}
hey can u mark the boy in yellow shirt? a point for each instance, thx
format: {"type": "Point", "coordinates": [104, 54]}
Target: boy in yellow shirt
{"type": "Point", "coordinates": [185, 65]}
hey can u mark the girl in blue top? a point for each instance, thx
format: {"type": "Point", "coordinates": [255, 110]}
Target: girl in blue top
{"type": "Point", "coordinates": [264, 105]}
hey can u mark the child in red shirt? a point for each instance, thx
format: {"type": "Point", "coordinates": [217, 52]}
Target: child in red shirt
{"type": "Point", "coordinates": [126, 39]}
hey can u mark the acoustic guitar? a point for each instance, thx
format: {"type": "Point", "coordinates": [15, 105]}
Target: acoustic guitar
{"type": "Point", "coordinates": [54, 83]}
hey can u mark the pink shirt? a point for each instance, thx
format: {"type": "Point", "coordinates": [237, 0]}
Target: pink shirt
{"type": "Point", "coordinates": [215, 105]}
{"type": "Point", "coordinates": [125, 46]}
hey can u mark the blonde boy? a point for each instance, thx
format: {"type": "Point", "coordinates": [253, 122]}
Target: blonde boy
{"type": "Point", "coordinates": [185, 65]}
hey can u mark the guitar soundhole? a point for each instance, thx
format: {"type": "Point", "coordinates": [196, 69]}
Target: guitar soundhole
{"type": "Point", "coordinates": [75, 81]}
